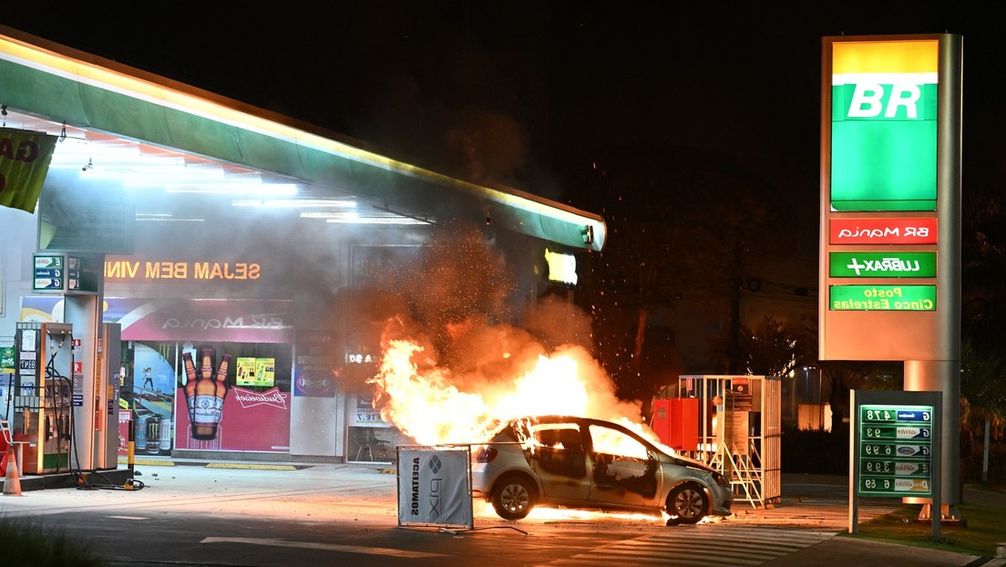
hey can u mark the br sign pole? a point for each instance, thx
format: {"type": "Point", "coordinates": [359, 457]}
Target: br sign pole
{"type": "Point", "coordinates": [889, 275]}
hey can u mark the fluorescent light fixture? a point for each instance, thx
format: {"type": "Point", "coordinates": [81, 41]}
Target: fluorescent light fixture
{"type": "Point", "coordinates": [295, 203]}
{"type": "Point", "coordinates": [153, 215]}
{"type": "Point", "coordinates": [166, 219]}
{"type": "Point", "coordinates": [352, 217]}
{"type": "Point", "coordinates": [328, 214]}
{"type": "Point", "coordinates": [379, 220]}
{"type": "Point", "coordinates": [263, 189]}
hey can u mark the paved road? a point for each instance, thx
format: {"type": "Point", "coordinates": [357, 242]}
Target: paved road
{"type": "Point", "coordinates": [702, 545]}
{"type": "Point", "coordinates": [345, 514]}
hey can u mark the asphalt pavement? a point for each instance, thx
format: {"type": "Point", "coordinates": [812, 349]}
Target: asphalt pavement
{"type": "Point", "coordinates": [311, 492]}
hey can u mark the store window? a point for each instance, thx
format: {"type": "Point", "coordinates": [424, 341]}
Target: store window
{"type": "Point", "coordinates": [233, 397]}
{"type": "Point", "coordinates": [370, 438]}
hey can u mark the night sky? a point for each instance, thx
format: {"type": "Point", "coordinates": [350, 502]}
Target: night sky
{"type": "Point", "coordinates": [526, 93]}
{"type": "Point", "coordinates": [540, 95]}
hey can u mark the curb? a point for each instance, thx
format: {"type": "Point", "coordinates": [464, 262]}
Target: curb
{"type": "Point", "coordinates": [211, 465]}
{"type": "Point", "coordinates": [255, 467]}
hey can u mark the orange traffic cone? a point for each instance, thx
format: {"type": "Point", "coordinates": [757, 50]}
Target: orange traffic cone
{"type": "Point", "coordinates": [12, 482]}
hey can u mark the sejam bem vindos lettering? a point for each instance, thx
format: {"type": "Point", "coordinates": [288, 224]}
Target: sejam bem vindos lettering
{"type": "Point", "coordinates": [181, 270]}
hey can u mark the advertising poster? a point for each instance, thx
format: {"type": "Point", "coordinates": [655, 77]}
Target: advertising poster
{"type": "Point", "coordinates": [265, 372]}
{"type": "Point", "coordinates": [6, 383]}
{"type": "Point", "coordinates": [7, 360]}
{"type": "Point", "coordinates": [256, 371]}
{"type": "Point", "coordinates": [246, 371]}
{"type": "Point", "coordinates": [433, 488]}
{"type": "Point", "coordinates": [153, 398]}
{"type": "Point", "coordinates": [215, 416]}
{"type": "Point", "coordinates": [314, 374]}
{"type": "Point", "coordinates": [249, 421]}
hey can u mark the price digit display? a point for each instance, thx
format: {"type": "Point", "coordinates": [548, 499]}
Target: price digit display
{"type": "Point", "coordinates": [895, 448]}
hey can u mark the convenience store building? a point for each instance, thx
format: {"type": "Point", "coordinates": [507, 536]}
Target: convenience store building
{"type": "Point", "coordinates": [228, 227]}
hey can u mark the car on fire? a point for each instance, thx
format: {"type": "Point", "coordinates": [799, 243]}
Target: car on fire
{"type": "Point", "coordinates": [590, 463]}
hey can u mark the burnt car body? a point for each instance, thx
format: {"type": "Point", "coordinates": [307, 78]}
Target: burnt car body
{"type": "Point", "coordinates": [589, 463]}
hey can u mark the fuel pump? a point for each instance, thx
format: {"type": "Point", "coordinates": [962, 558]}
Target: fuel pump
{"type": "Point", "coordinates": [42, 404]}
{"type": "Point", "coordinates": [86, 392]}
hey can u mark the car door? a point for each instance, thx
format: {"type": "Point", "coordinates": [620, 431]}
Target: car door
{"type": "Point", "coordinates": [559, 459]}
{"type": "Point", "coordinates": [624, 470]}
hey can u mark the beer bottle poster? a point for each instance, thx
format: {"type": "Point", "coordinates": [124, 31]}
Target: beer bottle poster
{"type": "Point", "coordinates": [245, 371]}
{"type": "Point", "coordinates": [265, 371]}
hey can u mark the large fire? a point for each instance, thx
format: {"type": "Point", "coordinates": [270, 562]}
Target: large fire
{"type": "Point", "coordinates": [425, 402]}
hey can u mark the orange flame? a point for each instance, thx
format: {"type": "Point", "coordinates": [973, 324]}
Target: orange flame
{"type": "Point", "coordinates": [428, 405]}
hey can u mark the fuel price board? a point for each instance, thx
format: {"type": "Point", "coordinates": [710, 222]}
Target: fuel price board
{"type": "Point", "coordinates": [895, 450]}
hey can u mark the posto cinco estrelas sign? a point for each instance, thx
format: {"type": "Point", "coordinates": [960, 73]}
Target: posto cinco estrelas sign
{"type": "Point", "coordinates": [880, 191]}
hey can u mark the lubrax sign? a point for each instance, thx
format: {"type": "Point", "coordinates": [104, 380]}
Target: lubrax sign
{"type": "Point", "coordinates": [882, 264]}
{"type": "Point", "coordinates": [890, 197]}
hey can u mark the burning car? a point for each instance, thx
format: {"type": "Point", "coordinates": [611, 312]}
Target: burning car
{"type": "Point", "coordinates": [590, 463]}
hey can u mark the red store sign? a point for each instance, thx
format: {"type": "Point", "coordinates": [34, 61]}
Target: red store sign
{"type": "Point", "coordinates": [882, 231]}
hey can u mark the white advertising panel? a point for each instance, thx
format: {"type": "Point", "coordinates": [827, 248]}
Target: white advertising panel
{"type": "Point", "coordinates": [434, 487]}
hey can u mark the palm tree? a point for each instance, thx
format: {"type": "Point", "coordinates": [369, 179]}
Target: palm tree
{"type": "Point", "coordinates": [983, 402]}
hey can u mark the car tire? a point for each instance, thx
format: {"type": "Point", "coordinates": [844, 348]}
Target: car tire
{"type": "Point", "coordinates": [514, 496]}
{"type": "Point", "coordinates": [688, 503]}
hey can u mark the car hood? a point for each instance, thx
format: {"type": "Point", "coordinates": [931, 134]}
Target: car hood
{"type": "Point", "coordinates": [688, 462]}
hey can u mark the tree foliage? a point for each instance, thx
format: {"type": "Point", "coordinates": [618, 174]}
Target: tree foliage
{"type": "Point", "coordinates": [770, 348]}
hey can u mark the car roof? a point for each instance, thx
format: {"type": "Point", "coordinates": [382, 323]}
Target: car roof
{"type": "Point", "coordinates": [552, 419]}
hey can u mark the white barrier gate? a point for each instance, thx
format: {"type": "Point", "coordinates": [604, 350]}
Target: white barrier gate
{"type": "Point", "coordinates": [435, 487]}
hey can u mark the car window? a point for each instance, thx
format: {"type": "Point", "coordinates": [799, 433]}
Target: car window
{"type": "Point", "coordinates": [559, 450]}
{"type": "Point", "coordinates": [559, 436]}
{"type": "Point", "coordinates": [613, 442]}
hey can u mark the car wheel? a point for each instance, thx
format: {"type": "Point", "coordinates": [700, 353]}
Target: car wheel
{"type": "Point", "coordinates": [513, 497]}
{"type": "Point", "coordinates": [688, 503]}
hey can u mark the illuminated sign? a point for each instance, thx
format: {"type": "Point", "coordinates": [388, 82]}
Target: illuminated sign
{"type": "Point", "coordinates": [882, 264]}
{"type": "Point", "coordinates": [882, 231]}
{"type": "Point", "coordinates": [883, 125]}
{"type": "Point", "coordinates": [49, 272]}
{"type": "Point", "coordinates": [561, 267]}
{"type": "Point", "coordinates": [7, 360]}
{"type": "Point", "coordinates": [895, 450]}
{"type": "Point", "coordinates": [155, 270]}
{"type": "Point", "coordinates": [255, 371]}
{"type": "Point", "coordinates": [882, 298]}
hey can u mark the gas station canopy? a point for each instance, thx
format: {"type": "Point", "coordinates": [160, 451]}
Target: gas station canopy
{"type": "Point", "coordinates": [107, 110]}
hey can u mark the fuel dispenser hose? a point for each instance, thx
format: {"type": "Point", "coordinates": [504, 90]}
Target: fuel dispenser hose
{"type": "Point", "coordinates": [80, 478]}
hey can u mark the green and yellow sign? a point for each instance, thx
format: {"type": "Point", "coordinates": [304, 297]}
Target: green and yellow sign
{"type": "Point", "coordinates": [24, 163]}
{"type": "Point", "coordinates": [882, 297]}
{"type": "Point", "coordinates": [882, 264]}
{"type": "Point", "coordinates": [6, 360]}
{"type": "Point", "coordinates": [883, 125]}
